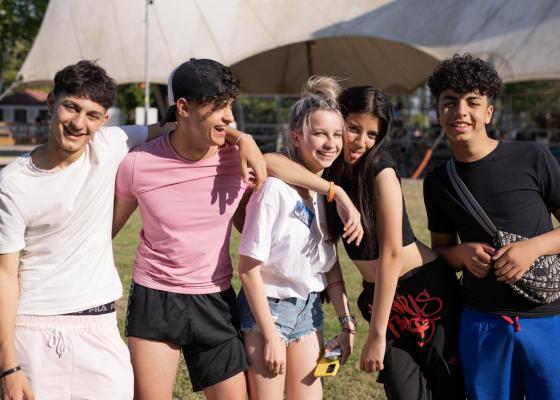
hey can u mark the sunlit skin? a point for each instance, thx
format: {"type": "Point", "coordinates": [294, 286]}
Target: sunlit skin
{"type": "Point", "coordinates": [361, 135]}
{"type": "Point", "coordinates": [73, 124]}
{"type": "Point", "coordinates": [318, 148]}
{"type": "Point", "coordinates": [464, 116]}
{"type": "Point", "coordinates": [201, 128]}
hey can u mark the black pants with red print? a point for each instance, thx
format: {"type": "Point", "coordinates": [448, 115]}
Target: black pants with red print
{"type": "Point", "coordinates": [421, 360]}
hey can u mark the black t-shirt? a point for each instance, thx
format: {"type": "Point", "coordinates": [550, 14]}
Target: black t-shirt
{"type": "Point", "coordinates": [359, 252]}
{"type": "Point", "coordinates": [518, 186]}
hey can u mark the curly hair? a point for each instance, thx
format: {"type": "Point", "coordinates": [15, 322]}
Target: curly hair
{"type": "Point", "coordinates": [230, 90]}
{"type": "Point", "coordinates": [464, 74]}
{"type": "Point", "coordinates": [88, 80]}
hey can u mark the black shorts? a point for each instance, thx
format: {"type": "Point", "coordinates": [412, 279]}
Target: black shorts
{"type": "Point", "coordinates": [205, 326]}
{"type": "Point", "coordinates": [422, 357]}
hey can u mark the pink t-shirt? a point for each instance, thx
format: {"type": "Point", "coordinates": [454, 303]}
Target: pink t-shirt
{"type": "Point", "coordinates": [186, 209]}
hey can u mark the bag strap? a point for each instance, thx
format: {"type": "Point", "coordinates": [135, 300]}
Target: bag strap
{"type": "Point", "coordinates": [468, 200]}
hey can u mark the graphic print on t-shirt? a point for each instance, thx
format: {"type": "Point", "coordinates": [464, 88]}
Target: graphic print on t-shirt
{"type": "Point", "coordinates": [304, 214]}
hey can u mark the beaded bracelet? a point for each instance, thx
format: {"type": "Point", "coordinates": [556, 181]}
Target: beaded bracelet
{"type": "Point", "coordinates": [9, 371]}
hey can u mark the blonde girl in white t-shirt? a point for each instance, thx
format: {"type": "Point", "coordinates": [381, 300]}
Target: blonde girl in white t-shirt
{"type": "Point", "coordinates": [287, 259]}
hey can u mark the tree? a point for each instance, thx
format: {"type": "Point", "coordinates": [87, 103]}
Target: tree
{"type": "Point", "coordinates": [20, 21]}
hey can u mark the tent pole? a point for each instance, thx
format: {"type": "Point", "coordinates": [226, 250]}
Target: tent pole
{"type": "Point", "coordinates": [146, 58]}
{"type": "Point", "coordinates": [309, 53]}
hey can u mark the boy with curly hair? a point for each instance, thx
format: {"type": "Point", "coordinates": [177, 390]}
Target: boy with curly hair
{"type": "Point", "coordinates": [503, 337]}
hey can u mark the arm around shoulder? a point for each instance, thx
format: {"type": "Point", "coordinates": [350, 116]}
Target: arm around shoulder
{"type": "Point", "coordinates": [283, 168]}
{"type": "Point", "coordinates": [250, 156]}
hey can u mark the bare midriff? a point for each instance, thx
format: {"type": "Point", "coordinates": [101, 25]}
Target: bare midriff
{"type": "Point", "coordinates": [414, 255]}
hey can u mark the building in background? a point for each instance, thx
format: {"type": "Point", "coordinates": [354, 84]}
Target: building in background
{"type": "Point", "coordinates": [26, 107]}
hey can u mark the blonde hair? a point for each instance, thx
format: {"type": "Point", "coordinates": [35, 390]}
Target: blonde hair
{"type": "Point", "coordinates": [318, 93]}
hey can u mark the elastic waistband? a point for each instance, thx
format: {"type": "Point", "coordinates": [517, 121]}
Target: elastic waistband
{"type": "Point", "coordinates": [98, 310]}
{"type": "Point", "coordinates": [89, 322]}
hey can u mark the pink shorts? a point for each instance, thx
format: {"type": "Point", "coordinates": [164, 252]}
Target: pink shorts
{"type": "Point", "coordinates": [74, 357]}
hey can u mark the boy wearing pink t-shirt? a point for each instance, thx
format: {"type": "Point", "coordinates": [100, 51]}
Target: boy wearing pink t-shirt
{"type": "Point", "coordinates": [188, 185]}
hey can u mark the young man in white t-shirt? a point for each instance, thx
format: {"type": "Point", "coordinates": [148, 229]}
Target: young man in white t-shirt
{"type": "Point", "coordinates": [58, 282]}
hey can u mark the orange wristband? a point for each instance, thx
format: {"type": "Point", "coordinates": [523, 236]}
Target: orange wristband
{"type": "Point", "coordinates": [330, 193]}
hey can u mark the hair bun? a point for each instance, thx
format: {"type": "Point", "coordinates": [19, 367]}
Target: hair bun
{"type": "Point", "coordinates": [327, 87]}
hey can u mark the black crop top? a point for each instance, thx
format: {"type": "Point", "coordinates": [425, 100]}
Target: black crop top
{"type": "Point", "coordinates": [359, 252]}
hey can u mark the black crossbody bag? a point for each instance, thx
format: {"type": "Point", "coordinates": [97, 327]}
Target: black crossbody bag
{"type": "Point", "coordinates": [541, 282]}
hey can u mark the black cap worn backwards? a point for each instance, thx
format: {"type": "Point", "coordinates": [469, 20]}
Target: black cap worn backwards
{"type": "Point", "coordinates": [194, 80]}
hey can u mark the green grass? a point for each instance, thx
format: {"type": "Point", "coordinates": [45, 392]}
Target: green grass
{"type": "Point", "coordinates": [350, 382]}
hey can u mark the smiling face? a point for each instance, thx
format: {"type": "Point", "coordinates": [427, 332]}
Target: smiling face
{"type": "Point", "coordinates": [464, 116]}
{"type": "Point", "coordinates": [362, 135]}
{"type": "Point", "coordinates": [207, 121]}
{"type": "Point", "coordinates": [74, 122]}
{"type": "Point", "coordinates": [320, 146]}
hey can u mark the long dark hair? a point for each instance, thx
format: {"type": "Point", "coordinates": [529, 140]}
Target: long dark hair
{"type": "Point", "coordinates": [359, 180]}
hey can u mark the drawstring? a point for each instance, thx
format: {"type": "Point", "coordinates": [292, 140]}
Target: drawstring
{"type": "Point", "coordinates": [56, 341]}
{"type": "Point", "coordinates": [421, 325]}
{"type": "Point", "coordinates": [512, 321]}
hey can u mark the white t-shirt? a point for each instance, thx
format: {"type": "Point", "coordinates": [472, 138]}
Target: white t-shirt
{"type": "Point", "coordinates": [293, 245]}
{"type": "Point", "coordinates": [62, 222]}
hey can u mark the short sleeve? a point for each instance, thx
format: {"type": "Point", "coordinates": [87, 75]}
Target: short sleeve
{"type": "Point", "coordinates": [260, 217]}
{"type": "Point", "coordinates": [434, 194]}
{"type": "Point", "coordinates": [124, 183]}
{"type": "Point", "coordinates": [385, 161]}
{"type": "Point", "coordinates": [549, 179]}
{"type": "Point", "coordinates": [12, 226]}
{"type": "Point", "coordinates": [123, 138]}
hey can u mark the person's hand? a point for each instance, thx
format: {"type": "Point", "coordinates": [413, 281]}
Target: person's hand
{"type": "Point", "coordinates": [513, 260]}
{"type": "Point", "coordinates": [373, 353]}
{"type": "Point", "coordinates": [251, 156]}
{"type": "Point", "coordinates": [345, 341]}
{"type": "Point", "coordinates": [477, 257]}
{"type": "Point", "coordinates": [349, 215]}
{"type": "Point", "coordinates": [275, 355]}
{"type": "Point", "coordinates": [16, 387]}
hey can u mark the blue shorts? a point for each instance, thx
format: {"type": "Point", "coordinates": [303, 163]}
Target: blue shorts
{"type": "Point", "coordinates": [294, 318]}
{"type": "Point", "coordinates": [505, 358]}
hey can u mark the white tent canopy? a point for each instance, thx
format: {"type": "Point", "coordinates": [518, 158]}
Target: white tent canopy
{"type": "Point", "coordinates": [273, 46]}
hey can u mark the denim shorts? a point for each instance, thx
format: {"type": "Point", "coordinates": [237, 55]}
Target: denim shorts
{"type": "Point", "coordinates": [294, 318]}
